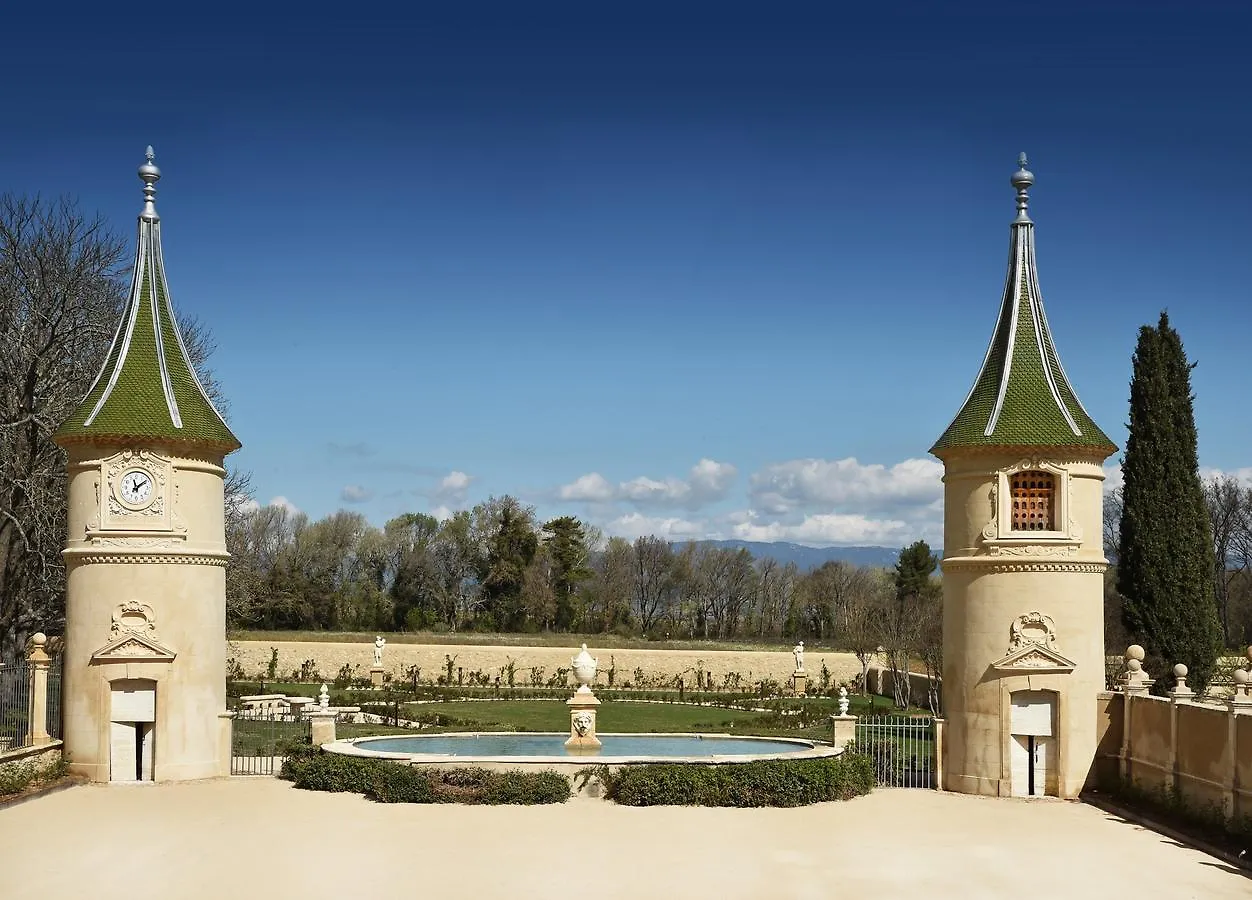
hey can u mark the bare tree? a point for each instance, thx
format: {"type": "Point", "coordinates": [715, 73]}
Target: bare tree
{"type": "Point", "coordinates": [862, 617]}
{"type": "Point", "coordinates": [775, 588]}
{"type": "Point", "coordinates": [652, 589]}
{"type": "Point", "coordinates": [1230, 513]}
{"type": "Point", "coordinates": [1112, 523]}
{"type": "Point", "coordinates": [60, 295]}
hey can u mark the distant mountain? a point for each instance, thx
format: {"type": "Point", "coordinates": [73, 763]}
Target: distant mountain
{"type": "Point", "coordinates": [810, 557]}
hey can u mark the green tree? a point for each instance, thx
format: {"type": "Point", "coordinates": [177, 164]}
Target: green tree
{"type": "Point", "coordinates": [411, 572]}
{"type": "Point", "coordinates": [510, 551]}
{"type": "Point", "coordinates": [909, 628]}
{"type": "Point", "coordinates": [566, 545]}
{"type": "Point", "coordinates": [1165, 549]}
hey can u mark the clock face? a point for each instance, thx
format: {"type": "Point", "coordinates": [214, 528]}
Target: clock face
{"type": "Point", "coordinates": [136, 487]}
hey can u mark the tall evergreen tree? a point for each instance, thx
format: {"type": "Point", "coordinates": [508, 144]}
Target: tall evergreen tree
{"type": "Point", "coordinates": [1165, 547]}
{"type": "Point", "coordinates": [566, 543]}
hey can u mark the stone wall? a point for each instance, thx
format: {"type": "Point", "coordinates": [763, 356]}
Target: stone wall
{"type": "Point", "coordinates": [751, 665]}
{"type": "Point", "coordinates": [880, 680]}
{"type": "Point", "coordinates": [38, 757]}
{"type": "Point", "coordinates": [1202, 751]}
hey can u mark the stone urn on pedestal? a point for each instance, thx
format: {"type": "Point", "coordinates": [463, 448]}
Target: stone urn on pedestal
{"type": "Point", "coordinates": [582, 706]}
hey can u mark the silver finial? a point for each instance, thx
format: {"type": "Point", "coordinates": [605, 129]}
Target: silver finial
{"type": "Point", "coordinates": [1022, 179]}
{"type": "Point", "coordinates": [150, 175]}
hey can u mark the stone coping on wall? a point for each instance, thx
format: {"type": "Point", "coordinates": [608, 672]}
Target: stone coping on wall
{"type": "Point", "coordinates": [751, 665]}
{"type": "Point", "coordinates": [31, 754]}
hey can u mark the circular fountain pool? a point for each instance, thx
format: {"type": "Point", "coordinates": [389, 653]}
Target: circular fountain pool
{"type": "Point", "coordinates": [549, 748]}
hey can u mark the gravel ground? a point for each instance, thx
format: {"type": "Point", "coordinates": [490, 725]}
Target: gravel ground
{"type": "Point", "coordinates": [258, 837]}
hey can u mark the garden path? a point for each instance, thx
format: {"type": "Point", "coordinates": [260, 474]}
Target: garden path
{"type": "Point", "coordinates": [259, 837]}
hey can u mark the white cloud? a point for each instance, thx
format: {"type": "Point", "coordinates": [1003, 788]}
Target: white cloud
{"type": "Point", "coordinates": [452, 491]}
{"type": "Point", "coordinates": [441, 513]}
{"type": "Point", "coordinates": [707, 482]}
{"type": "Point", "coordinates": [831, 528]}
{"type": "Point", "coordinates": [811, 484]}
{"type": "Point", "coordinates": [355, 493]}
{"type": "Point", "coordinates": [591, 488]}
{"type": "Point", "coordinates": [248, 506]}
{"type": "Point", "coordinates": [1112, 477]}
{"type": "Point", "coordinates": [633, 525]}
{"type": "Point", "coordinates": [292, 509]}
{"type": "Point", "coordinates": [1242, 475]}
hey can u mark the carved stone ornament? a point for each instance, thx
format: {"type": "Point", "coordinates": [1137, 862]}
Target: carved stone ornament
{"type": "Point", "coordinates": [1047, 551]}
{"type": "Point", "coordinates": [1032, 647]}
{"type": "Point", "coordinates": [132, 637]}
{"type": "Point", "coordinates": [582, 723]}
{"type": "Point", "coordinates": [1032, 628]}
{"type": "Point", "coordinates": [133, 617]}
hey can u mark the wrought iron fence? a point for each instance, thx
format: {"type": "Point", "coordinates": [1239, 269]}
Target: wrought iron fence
{"type": "Point", "coordinates": [902, 749]}
{"type": "Point", "coordinates": [14, 705]}
{"type": "Point", "coordinates": [260, 739]}
{"type": "Point", "coordinates": [54, 698]}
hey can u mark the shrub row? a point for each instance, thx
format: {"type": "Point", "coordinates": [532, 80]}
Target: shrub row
{"type": "Point", "coordinates": [1206, 821]}
{"type": "Point", "coordinates": [763, 783]}
{"type": "Point", "coordinates": [389, 782]}
{"type": "Point", "coordinates": [17, 777]}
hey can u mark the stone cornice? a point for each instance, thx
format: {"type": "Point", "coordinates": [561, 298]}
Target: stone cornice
{"type": "Point", "coordinates": [1022, 564]}
{"type": "Point", "coordinates": [112, 556]}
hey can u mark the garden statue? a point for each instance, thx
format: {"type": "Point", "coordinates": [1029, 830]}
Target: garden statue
{"type": "Point", "coordinates": [843, 701]}
{"type": "Point", "coordinates": [379, 644]}
{"type": "Point", "coordinates": [323, 698]}
{"type": "Point", "coordinates": [798, 652]}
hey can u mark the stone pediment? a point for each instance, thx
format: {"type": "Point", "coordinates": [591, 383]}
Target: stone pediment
{"type": "Point", "coordinates": [131, 647]}
{"type": "Point", "coordinates": [1034, 659]}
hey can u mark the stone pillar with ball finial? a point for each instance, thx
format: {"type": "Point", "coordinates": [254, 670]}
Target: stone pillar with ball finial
{"type": "Point", "coordinates": [1241, 699]}
{"type": "Point", "coordinates": [1136, 682]}
{"type": "Point", "coordinates": [1181, 693]}
{"type": "Point", "coordinates": [843, 730]}
{"type": "Point", "coordinates": [322, 730]}
{"type": "Point", "coordinates": [582, 706]}
{"type": "Point", "coordinates": [38, 661]}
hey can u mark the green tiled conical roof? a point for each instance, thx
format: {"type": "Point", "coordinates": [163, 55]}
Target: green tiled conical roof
{"type": "Point", "coordinates": [1022, 397]}
{"type": "Point", "coordinates": [147, 389]}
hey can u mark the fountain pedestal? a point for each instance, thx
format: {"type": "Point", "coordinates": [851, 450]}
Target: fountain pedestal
{"type": "Point", "coordinates": [582, 722]}
{"type": "Point", "coordinates": [582, 706]}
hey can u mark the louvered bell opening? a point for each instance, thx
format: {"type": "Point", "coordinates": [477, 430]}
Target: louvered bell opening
{"type": "Point", "coordinates": [1033, 494]}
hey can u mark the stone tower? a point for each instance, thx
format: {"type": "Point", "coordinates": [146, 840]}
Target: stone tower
{"type": "Point", "coordinates": [1023, 565]}
{"type": "Point", "coordinates": [145, 558]}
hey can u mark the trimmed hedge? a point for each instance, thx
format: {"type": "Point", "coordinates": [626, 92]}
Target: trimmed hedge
{"type": "Point", "coordinates": [389, 782]}
{"type": "Point", "coordinates": [763, 783]}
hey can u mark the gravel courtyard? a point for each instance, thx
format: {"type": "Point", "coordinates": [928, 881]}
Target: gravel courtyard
{"type": "Point", "coordinates": [260, 838]}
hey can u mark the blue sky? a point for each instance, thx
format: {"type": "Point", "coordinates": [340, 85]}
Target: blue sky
{"type": "Point", "coordinates": [697, 270]}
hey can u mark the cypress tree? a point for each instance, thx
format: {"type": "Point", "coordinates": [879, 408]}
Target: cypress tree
{"type": "Point", "coordinates": [1165, 549]}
